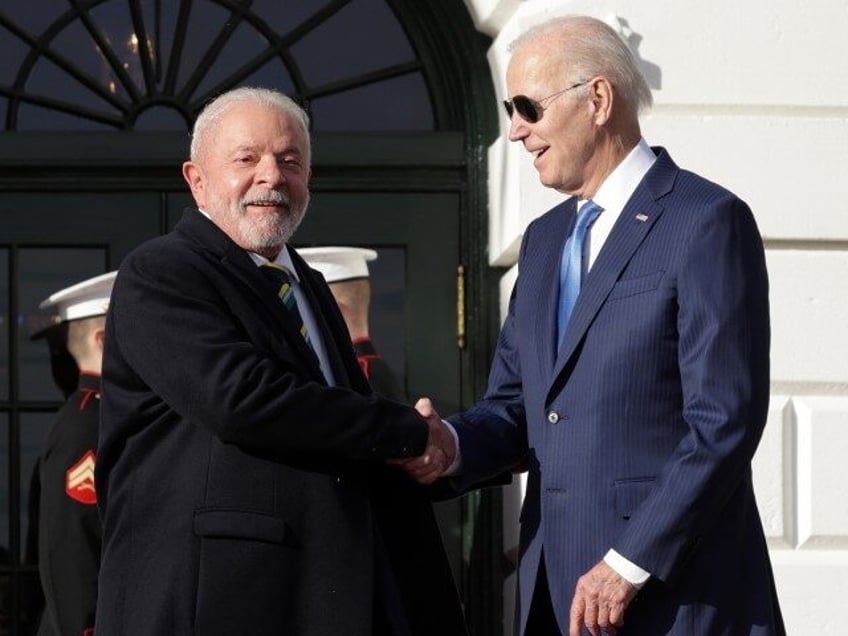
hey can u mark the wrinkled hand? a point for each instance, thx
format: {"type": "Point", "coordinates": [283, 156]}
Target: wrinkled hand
{"type": "Point", "coordinates": [600, 598]}
{"type": "Point", "coordinates": [439, 453]}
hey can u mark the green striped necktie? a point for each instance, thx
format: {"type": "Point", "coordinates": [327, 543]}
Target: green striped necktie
{"type": "Point", "coordinates": [282, 278]}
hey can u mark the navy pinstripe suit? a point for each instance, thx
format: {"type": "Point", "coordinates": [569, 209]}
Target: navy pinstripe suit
{"type": "Point", "coordinates": [638, 433]}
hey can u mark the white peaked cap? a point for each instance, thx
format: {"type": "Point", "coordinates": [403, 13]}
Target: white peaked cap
{"type": "Point", "coordinates": [338, 264]}
{"type": "Point", "coordinates": [83, 300]}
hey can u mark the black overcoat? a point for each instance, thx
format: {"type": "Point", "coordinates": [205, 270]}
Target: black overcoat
{"type": "Point", "coordinates": [239, 493]}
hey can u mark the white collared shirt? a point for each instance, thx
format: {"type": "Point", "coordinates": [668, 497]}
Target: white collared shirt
{"type": "Point", "coordinates": [615, 192]}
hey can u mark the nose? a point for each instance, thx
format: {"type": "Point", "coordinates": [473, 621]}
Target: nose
{"type": "Point", "coordinates": [268, 171]}
{"type": "Point", "coordinates": [517, 128]}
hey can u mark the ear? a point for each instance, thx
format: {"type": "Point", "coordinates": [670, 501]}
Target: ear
{"type": "Point", "coordinates": [194, 177]}
{"type": "Point", "coordinates": [99, 336]}
{"type": "Point", "coordinates": [601, 96]}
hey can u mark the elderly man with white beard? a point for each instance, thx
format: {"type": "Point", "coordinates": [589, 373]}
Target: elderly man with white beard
{"type": "Point", "coordinates": [242, 474]}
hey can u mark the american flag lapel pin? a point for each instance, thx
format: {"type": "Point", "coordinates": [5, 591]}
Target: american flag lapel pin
{"type": "Point", "coordinates": [641, 217]}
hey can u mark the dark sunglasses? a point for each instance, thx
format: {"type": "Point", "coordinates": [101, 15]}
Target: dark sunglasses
{"type": "Point", "coordinates": [529, 109]}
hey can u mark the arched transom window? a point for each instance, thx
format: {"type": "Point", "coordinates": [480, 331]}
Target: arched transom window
{"type": "Point", "coordinates": [88, 65]}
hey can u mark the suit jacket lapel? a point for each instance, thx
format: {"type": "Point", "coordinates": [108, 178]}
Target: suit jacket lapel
{"type": "Point", "coordinates": [236, 260]}
{"type": "Point", "coordinates": [631, 228]}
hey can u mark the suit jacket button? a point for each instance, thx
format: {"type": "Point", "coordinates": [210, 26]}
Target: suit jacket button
{"type": "Point", "coordinates": [553, 417]}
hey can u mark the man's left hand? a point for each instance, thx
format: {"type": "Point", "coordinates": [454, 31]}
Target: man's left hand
{"type": "Point", "coordinates": [600, 598]}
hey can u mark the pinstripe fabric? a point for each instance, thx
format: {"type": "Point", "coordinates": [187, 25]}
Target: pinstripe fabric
{"type": "Point", "coordinates": [283, 279]}
{"type": "Point", "coordinates": [638, 432]}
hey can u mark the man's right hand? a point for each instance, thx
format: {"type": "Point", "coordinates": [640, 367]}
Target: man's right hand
{"type": "Point", "coordinates": [439, 453]}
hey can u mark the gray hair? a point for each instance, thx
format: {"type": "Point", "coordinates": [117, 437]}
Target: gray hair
{"type": "Point", "coordinates": [212, 112]}
{"type": "Point", "coordinates": [591, 47]}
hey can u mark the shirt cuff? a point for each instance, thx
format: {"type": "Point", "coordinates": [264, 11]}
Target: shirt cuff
{"type": "Point", "coordinates": [628, 570]}
{"type": "Point", "coordinates": [455, 467]}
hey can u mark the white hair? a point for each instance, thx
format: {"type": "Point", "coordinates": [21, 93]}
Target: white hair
{"type": "Point", "coordinates": [212, 112]}
{"type": "Point", "coordinates": [589, 48]}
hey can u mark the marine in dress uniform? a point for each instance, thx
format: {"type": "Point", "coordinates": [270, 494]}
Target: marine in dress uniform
{"type": "Point", "coordinates": [69, 533]}
{"type": "Point", "coordinates": [346, 271]}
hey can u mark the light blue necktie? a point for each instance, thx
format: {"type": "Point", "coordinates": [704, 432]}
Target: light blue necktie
{"type": "Point", "coordinates": [573, 265]}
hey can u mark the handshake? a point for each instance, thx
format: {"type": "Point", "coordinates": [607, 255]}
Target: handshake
{"type": "Point", "coordinates": [441, 450]}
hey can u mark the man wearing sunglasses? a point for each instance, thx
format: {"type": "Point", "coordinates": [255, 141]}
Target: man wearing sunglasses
{"type": "Point", "coordinates": [631, 377]}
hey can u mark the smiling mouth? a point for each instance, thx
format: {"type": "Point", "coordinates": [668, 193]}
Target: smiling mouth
{"type": "Point", "coordinates": [268, 204]}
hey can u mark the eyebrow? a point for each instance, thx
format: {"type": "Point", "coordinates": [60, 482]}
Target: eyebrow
{"type": "Point", "coordinates": [255, 148]}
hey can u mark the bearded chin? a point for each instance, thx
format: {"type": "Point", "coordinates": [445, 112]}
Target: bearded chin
{"type": "Point", "coordinates": [271, 231]}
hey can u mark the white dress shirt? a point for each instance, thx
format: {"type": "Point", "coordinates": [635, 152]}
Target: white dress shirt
{"type": "Point", "coordinates": [615, 192]}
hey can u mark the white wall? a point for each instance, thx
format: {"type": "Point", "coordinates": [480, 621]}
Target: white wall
{"type": "Point", "coordinates": [753, 95]}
